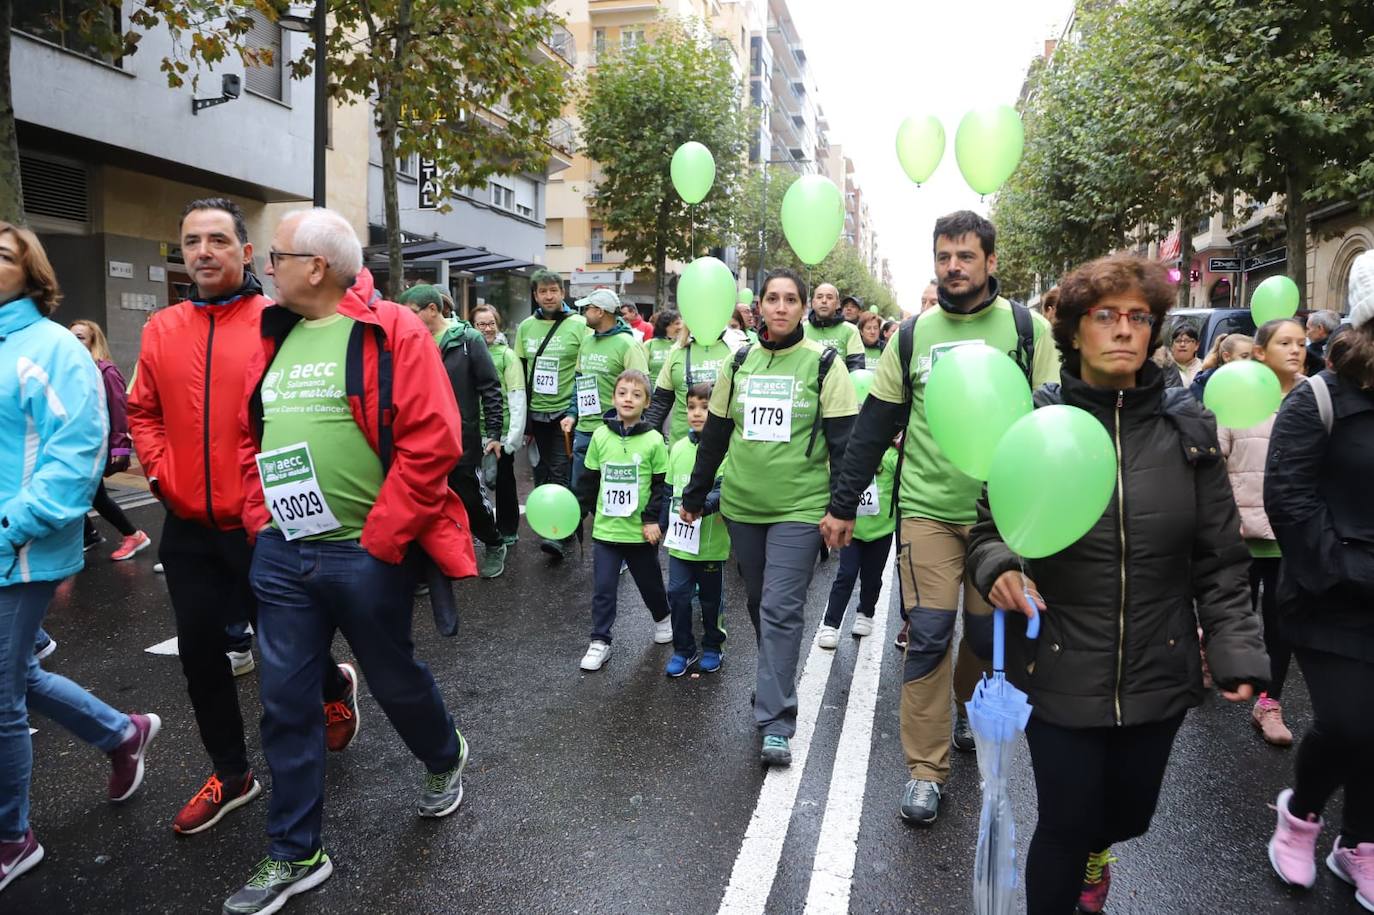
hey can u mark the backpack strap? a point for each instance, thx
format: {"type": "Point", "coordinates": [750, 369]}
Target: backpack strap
{"type": "Point", "coordinates": [827, 360]}
{"type": "Point", "coordinates": [355, 386]}
{"type": "Point", "coordinates": [1025, 339]}
{"type": "Point", "coordinates": [741, 354]}
{"type": "Point", "coordinates": [1322, 393]}
{"type": "Point", "coordinates": [906, 344]}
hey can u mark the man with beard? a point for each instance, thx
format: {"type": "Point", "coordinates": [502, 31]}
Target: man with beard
{"type": "Point", "coordinates": [936, 499]}
{"type": "Point", "coordinates": [828, 327]}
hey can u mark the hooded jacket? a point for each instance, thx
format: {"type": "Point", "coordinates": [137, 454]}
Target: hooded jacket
{"type": "Point", "coordinates": [589, 483]}
{"type": "Point", "coordinates": [476, 386]}
{"type": "Point", "coordinates": [52, 421]}
{"type": "Point", "coordinates": [418, 437]}
{"type": "Point", "coordinates": [1118, 641]}
{"type": "Point", "coordinates": [1245, 451]}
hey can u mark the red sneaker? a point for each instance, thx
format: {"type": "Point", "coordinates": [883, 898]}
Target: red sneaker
{"type": "Point", "coordinates": [341, 717]}
{"type": "Point", "coordinates": [126, 762]}
{"type": "Point", "coordinates": [213, 801]}
{"type": "Point", "coordinates": [134, 543]}
{"type": "Point", "coordinates": [18, 858]}
{"type": "Point", "coordinates": [1097, 880]}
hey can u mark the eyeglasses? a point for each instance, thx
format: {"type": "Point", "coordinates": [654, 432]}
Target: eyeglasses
{"type": "Point", "coordinates": [1107, 317]}
{"type": "Point", "coordinates": [275, 256]}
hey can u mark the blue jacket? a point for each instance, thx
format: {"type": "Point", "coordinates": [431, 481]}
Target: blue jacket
{"type": "Point", "coordinates": [53, 423]}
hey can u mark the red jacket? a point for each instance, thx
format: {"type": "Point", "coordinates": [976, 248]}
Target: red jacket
{"type": "Point", "coordinates": [184, 407]}
{"type": "Point", "coordinates": [418, 438]}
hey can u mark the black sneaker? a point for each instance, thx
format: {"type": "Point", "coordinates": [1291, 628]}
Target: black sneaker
{"type": "Point", "coordinates": [554, 548]}
{"type": "Point", "coordinates": [963, 734]}
{"type": "Point", "coordinates": [274, 882]}
{"type": "Point", "coordinates": [921, 801]}
{"type": "Point", "coordinates": [444, 792]}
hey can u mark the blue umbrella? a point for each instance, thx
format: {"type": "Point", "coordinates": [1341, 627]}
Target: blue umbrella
{"type": "Point", "coordinates": [998, 713]}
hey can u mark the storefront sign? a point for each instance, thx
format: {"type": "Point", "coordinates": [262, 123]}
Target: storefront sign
{"type": "Point", "coordinates": [1223, 264]}
{"type": "Point", "coordinates": [428, 188]}
{"type": "Point", "coordinates": [1267, 259]}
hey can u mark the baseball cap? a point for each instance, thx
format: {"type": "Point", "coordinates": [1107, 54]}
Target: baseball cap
{"type": "Point", "coordinates": [605, 299]}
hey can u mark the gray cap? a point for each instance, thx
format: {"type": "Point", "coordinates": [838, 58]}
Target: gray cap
{"type": "Point", "coordinates": [605, 299]}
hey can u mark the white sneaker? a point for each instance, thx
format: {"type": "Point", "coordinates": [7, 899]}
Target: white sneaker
{"type": "Point", "coordinates": [663, 632]}
{"type": "Point", "coordinates": [829, 637]}
{"type": "Point", "coordinates": [157, 567]}
{"type": "Point", "coordinates": [597, 654]}
{"type": "Point", "coordinates": [242, 662]}
{"type": "Point", "coordinates": [863, 625]}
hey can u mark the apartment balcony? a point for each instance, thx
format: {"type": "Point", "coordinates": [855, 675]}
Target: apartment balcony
{"type": "Point", "coordinates": [597, 8]}
{"type": "Point", "coordinates": [562, 44]}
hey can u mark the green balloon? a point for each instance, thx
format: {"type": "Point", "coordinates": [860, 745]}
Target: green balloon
{"type": "Point", "coordinates": [988, 146]}
{"type": "Point", "coordinates": [812, 217]}
{"type": "Point", "coordinates": [920, 146]}
{"type": "Point", "coordinates": [1242, 394]}
{"type": "Point", "coordinates": [1052, 477]}
{"type": "Point", "coordinates": [706, 297]}
{"type": "Point", "coordinates": [552, 511]}
{"type": "Point", "coordinates": [745, 296]}
{"type": "Point", "coordinates": [1276, 297]}
{"type": "Point", "coordinates": [862, 380]}
{"type": "Point", "coordinates": [694, 171]}
{"type": "Point", "coordinates": [974, 395]}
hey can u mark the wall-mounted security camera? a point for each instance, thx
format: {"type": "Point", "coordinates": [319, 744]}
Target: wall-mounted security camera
{"type": "Point", "coordinates": [230, 84]}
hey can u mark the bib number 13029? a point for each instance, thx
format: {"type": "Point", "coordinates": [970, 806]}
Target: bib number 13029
{"type": "Point", "coordinates": [768, 408]}
{"type": "Point", "coordinates": [293, 493]}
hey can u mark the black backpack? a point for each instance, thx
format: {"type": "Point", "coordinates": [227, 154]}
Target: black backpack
{"type": "Point", "coordinates": [827, 357]}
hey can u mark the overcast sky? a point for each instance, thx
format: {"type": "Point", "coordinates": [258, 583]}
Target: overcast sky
{"type": "Point", "coordinates": [877, 61]}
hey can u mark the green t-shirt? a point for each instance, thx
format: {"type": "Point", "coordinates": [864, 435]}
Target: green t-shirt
{"type": "Point", "coordinates": [551, 386]}
{"type": "Point", "coordinates": [715, 536]}
{"type": "Point", "coordinates": [871, 356]}
{"type": "Point", "coordinates": [600, 361]}
{"type": "Point", "coordinates": [932, 487]}
{"type": "Point", "coordinates": [874, 527]}
{"type": "Point", "coordinates": [508, 369]}
{"type": "Point", "coordinates": [843, 337]}
{"type": "Point", "coordinates": [707, 364]}
{"type": "Point", "coordinates": [656, 349]}
{"type": "Point", "coordinates": [627, 464]}
{"type": "Point", "coordinates": [771, 481]}
{"type": "Point", "coordinates": [303, 400]}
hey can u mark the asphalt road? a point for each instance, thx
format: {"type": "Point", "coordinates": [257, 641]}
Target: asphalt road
{"type": "Point", "coordinates": [614, 792]}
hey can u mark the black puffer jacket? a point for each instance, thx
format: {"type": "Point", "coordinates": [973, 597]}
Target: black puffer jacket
{"type": "Point", "coordinates": [1118, 642]}
{"type": "Point", "coordinates": [1318, 498]}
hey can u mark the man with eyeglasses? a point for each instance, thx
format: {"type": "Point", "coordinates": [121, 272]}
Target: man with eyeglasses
{"type": "Point", "coordinates": [936, 500]}
{"type": "Point", "coordinates": [184, 418]}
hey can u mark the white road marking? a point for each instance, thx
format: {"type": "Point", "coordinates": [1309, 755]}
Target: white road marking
{"type": "Point", "coordinates": [756, 866]}
{"type": "Point", "coordinates": [168, 647]}
{"type": "Point", "coordinates": [832, 874]}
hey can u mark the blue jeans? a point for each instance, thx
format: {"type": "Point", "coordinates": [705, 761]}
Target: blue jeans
{"type": "Point", "coordinates": [41, 639]}
{"type": "Point", "coordinates": [25, 685]}
{"type": "Point", "coordinates": [581, 442]}
{"type": "Point", "coordinates": [643, 562]}
{"type": "Point", "coordinates": [306, 589]}
{"type": "Point", "coordinates": [863, 561]}
{"type": "Point", "coordinates": [684, 577]}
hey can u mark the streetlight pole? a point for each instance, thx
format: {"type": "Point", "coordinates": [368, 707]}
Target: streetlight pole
{"type": "Point", "coordinates": [297, 20]}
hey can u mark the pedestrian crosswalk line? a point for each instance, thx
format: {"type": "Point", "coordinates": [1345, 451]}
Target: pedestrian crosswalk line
{"type": "Point", "coordinates": [832, 876]}
{"type": "Point", "coordinates": [168, 647]}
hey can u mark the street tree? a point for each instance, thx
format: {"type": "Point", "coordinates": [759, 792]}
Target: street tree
{"type": "Point", "coordinates": [638, 106]}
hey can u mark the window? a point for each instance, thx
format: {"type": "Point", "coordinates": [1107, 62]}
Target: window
{"type": "Point", "coordinates": [502, 196]}
{"type": "Point", "coordinates": [553, 233]}
{"type": "Point", "coordinates": [599, 43]}
{"type": "Point", "coordinates": [598, 245]}
{"type": "Point", "coordinates": [524, 211]}
{"type": "Point", "coordinates": [408, 165]}
{"type": "Point", "coordinates": [56, 21]}
{"type": "Point", "coordinates": [264, 38]}
{"type": "Point", "coordinates": [631, 37]}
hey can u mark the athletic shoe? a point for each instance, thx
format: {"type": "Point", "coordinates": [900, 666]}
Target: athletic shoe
{"type": "Point", "coordinates": [134, 543]}
{"type": "Point", "coordinates": [213, 801]}
{"type": "Point", "coordinates": [1356, 867]}
{"type": "Point", "coordinates": [663, 632]}
{"type": "Point", "coordinates": [1097, 880]}
{"type": "Point", "coordinates": [921, 801]}
{"type": "Point", "coordinates": [45, 650]}
{"type": "Point", "coordinates": [776, 751]}
{"type": "Point", "coordinates": [274, 882]}
{"type": "Point", "coordinates": [554, 548]}
{"type": "Point", "coordinates": [901, 639]}
{"type": "Point", "coordinates": [710, 661]}
{"type": "Point", "coordinates": [493, 561]}
{"type": "Point", "coordinates": [963, 733]}
{"type": "Point", "coordinates": [341, 721]}
{"type": "Point", "coordinates": [598, 653]}
{"type": "Point", "coordinates": [828, 637]}
{"type": "Point", "coordinates": [1267, 716]}
{"type": "Point", "coordinates": [90, 543]}
{"type": "Point", "coordinates": [679, 664]}
{"type": "Point", "coordinates": [241, 662]}
{"type": "Point", "coordinates": [157, 567]}
{"type": "Point", "coordinates": [510, 539]}
{"type": "Point", "coordinates": [1293, 848]}
{"type": "Point", "coordinates": [444, 792]}
{"type": "Point", "coordinates": [126, 761]}
{"type": "Point", "coordinates": [863, 625]}
{"type": "Point", "coordinates": [18, 857]}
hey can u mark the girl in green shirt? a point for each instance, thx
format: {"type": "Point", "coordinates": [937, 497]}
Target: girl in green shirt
{"type": "Point", "coordinates": [667, 327]}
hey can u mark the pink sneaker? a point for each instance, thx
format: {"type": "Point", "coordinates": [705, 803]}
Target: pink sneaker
{"type": "Point", "coordinates": [1267, 716]}
{"type": "Point", "coordinates": [126, 762]}
{"type": "Point", "coordinates": [1097, 881]}
{"type": "Point", "coordinates": [1356, 867]}
{"type": "Point", "coordinates": [1293, 849]}
{"type": "Point", "coordinates": [130, 545]}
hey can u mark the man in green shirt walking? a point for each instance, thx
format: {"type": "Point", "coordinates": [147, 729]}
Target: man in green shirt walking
{"type": "Point", "coordinates": [935, 498]}
{"type": "Point", "coordinates": [608, 349]}
{"type": "Point", "coordinates": [828, 327]}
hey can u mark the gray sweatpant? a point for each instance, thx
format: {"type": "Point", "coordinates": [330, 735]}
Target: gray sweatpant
{"type": "Point", "coordinates": [777, 561]}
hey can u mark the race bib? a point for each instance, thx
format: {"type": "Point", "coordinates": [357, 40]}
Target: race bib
{"type": "Point", "coordinates": [293, 494]}
{"type": "Point", "coordinates": [868, 500]}
{"type": "Point", "coordinates": [546, 375]}
{"type": "Point", "coordinates": [681, 536]}
{"type": "Point", "coordinates": [927, 362]}
{"type": "Point", "coordinates": [768, 408]}
{"type": "Point", "coordinates": [619, 490]}
{"type": "Point", "coordinates": [588, 396]}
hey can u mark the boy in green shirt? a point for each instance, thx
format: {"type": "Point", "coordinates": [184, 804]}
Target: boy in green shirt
{"type": "Point", "coordinates": [623, 483]}
{"type": "Point", "coordinates": [696, 553]}
{"type": "Point", "coordinates": [608, 349]}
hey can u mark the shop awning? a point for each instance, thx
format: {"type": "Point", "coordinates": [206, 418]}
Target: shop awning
{"type": "Point", "coordinates": [459, 256]}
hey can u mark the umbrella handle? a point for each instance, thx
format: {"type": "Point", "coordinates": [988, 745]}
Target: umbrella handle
{"type": "Point", "coordinates": [1033, 623]}
{"type": "Point", "coordinates": [999, 633]}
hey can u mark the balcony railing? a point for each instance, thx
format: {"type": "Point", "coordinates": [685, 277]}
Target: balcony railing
{"type": "Point", "coordinates": [561, 135]}
{"type": "Point", "coordinates": [561, 43]}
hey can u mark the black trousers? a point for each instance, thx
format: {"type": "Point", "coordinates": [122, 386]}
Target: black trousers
{"type": "Point", "coordinates": [108, 509]}
{"type": "Point", "coordinates": [1094, 787]}
{"type": "Point", "coordinates": [555, 463]}
{"type": "Point", "coordinates": [1264, 597]}
{"type": "Point", "coordinates": [463, 481]}
{"type": "Point", "coordinates": [207, 577]}
{"type": "Point", "coordinates": [507, 501]}
{"type": "Point", "coordinates": [1338, 749]}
